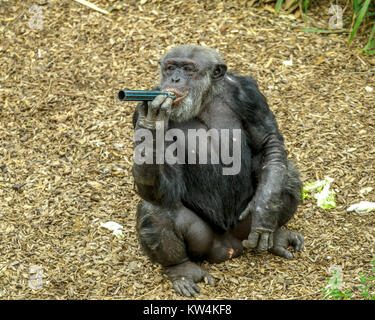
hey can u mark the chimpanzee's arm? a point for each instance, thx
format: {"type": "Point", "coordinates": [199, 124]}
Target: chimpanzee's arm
{"type": "Point", "coordinates": [267, 142]}
{"type": "Point", "coordinates": [161, 184]}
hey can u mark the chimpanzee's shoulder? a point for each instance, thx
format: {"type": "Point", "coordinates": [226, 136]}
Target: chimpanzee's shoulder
{"type": "Point", "coordinates": [245, 82]}
{"type": "Point", "coordinates": [245, 94]}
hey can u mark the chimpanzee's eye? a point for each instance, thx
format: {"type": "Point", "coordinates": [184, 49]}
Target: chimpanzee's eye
{"type": "Point", "coordinates": [188, 68]}
{"type": "Point", "coordinates": [170, 67]}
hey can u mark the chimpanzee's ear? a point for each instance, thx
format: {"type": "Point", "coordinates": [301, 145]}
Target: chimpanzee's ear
{"type": "Point", "coordinates": [219, 71]}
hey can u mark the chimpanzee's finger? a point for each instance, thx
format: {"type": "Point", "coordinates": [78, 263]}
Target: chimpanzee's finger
{"type": "Point", "coordinates": [166, 104]}
{"type": "Point", "coordinates": [245, 213]}
{"type": "Point", "coordinates": [270, 241]}
{"type": "Point", "coordinates": [298, 242]}
{"type": "Point", "coordinates": [209, 278]}
{"type": "Point", "coordinates": [282, 252]}
{"type": "Point", "coordinates": [252, 240]}
{"type": "Point", "coordinates": [142, 109]}
{"type": "Point", "coordinates": [155, 104]}
{"type": "Point", "coordinates": [165, 110]}
{"type": "Point", "coordinates": [263, 242]}
{"type": "Point", "coordinates": [302, 241]}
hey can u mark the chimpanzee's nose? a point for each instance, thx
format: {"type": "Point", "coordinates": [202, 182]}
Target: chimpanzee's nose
{"type": "Point", "coordinates": [175, 79]}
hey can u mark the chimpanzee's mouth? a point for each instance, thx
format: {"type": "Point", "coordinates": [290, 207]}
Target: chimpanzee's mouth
{"type": "Point", "coordinates": [179, 95]}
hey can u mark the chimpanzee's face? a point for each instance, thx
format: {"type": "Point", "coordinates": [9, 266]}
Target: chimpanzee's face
{"type": "Point", "coordinates": [190, 76]}
{"type": "Point", "coordinates": [179, 76]}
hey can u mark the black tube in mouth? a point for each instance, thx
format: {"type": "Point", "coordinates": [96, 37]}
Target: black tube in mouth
{"type": "Point", "coordinates": [142, 95]}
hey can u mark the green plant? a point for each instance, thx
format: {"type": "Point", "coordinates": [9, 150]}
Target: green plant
{"type": "Point", "coordinates": [363, 12]}
{"type": "Point", "coordinates": [367, 285]}
{"type": "Point", "coordinates": [278, 5]}
{"type": "Point", "coordinates": [360, 9]}
{"type": "Point", "coordinates": [371, 42]}
{"type": "Point", "coordinates": [304, 4]}
{"type": "Point", "coordinates": [334, 288]}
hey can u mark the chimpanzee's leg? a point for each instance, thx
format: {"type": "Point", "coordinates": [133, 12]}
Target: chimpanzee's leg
{"type": "Point", "coordinates": [172, 237]}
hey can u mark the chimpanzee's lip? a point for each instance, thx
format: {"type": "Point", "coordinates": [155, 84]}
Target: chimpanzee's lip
{"type": "Point", "coordinates": [179, 95]}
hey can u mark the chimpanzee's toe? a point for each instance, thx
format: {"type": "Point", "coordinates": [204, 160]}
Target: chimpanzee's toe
{"type": "Point", "coordinates": [297, 242]}
{"type": "Point", "coordinates": [186, 287]}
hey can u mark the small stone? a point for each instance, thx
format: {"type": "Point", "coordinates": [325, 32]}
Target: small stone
{"type": "Point", "coordinates": [24, 139]}
{"type": "Point", "coordinates": [95, 197]}
{"type": "Point", "coordinates": [133, 265]}
{"type": "Point", "coordinates": [18, 186]}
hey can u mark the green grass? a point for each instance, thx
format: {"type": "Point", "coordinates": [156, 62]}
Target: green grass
{"type": "Point", "coordinates": [367, 284]}
{"type": "Point", "coordinates": [334, 288]}
{"type": "Point", "coordinates": [371, 42]}
{"type": "Point", "coordinates": [324, 30]}
{"type": "Point", "coordinates": [303, 4]}
{"type": "Point", "coordinates": [360, 10]}
{"type": "Point", "coordinates": [278, 5]}
{"type": "Point", "coordinates": [363, 15]}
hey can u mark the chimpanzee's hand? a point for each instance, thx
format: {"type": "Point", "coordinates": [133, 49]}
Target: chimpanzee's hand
{"type": "Point", "coordinates": [149, 114]}
{"type": "Point", "coordinates": [263, 224]}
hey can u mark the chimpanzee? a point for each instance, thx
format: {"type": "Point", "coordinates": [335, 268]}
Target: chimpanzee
{"type": "Point", "coordinates": [192, 211]}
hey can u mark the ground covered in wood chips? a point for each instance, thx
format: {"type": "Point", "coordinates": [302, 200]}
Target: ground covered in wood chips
{"type": "Point", "coordinates": [66, 144]}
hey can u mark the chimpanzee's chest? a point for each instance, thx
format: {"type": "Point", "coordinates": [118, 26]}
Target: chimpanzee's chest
{"type": "Point", "coordinates": [217, 168]}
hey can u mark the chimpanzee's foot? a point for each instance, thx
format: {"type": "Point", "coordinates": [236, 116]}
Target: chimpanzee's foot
{"type": "Point", "coordinates": [282, 239]}
{"type": "Point", "coordinates": [184, 277]}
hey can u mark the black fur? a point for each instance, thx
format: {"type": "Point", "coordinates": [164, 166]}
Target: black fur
{"type": "Point", "coordinates": [216, 198]}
